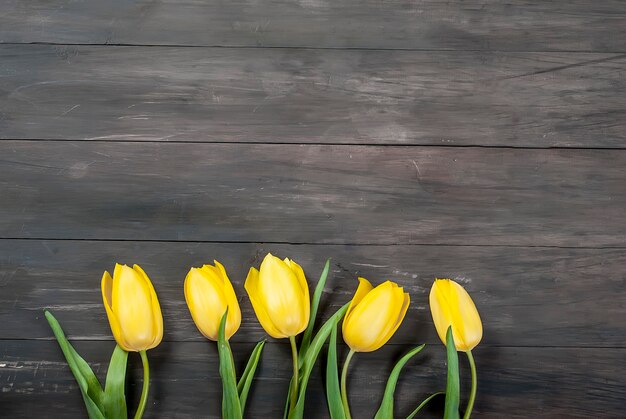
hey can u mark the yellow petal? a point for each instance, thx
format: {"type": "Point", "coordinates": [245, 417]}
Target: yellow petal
{"type": "Point", "coordinates": [440, 308]}
{"type": "Point", "coordinates": [131, 303]}
{"type": "Point", "coordinates": [281, 294]}
{"type": "Point", "coordinates": [117, 271]}
{"type": "Point", "coordinates": [156, 309]}
{"type": "Point", "coordinates": [451, 305]}
{"type": "Point", "coordinates": [206, 301]}
{"type": "Point", "coordinates": [373, 318]}
{"type": "Point", "coordinates": [212, 271]}
{"type": "Point", "coordinates": [234, 312]}
{"type": "Point", "coordinates": [221, 270]}
{"type": "Point", "coordinates": [106, 285]}
{"type": "Point", "coordinates": [471, 330]}
{"type": "Point", "coordinates": [406, 301]}
{"type": "Point", "coordinates": [251, 285]}
{"type": "Point", "coordinates": [297, 270]}
{"type": "Point", "coordinates": [363, 289]}
{"type": "Point", "coordinates": [305, 304]}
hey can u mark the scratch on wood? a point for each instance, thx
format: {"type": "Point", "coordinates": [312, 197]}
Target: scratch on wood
{"type": "Point", "coordinates": [565, 67]}
{"type": "Point", "coordinates": [463, 279]}
{"type": "Point", "coordinates": [114, 136]}
{"type": "Point", "coordinates": [70, 110]}
{"type": "Point", "coordinates": [399, 272]}
{"type": "Point", "coordinates": [369, 265]}
{"type": "Point", "coordinates": [417, 169]}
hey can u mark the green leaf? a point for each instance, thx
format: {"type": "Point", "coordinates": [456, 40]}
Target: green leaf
{"type": "Point", "coordinates": [386, 407]}
{"type": "Point", "coordinates": [317, 295]}
{"type": "Point", "coordinates": [424, 403]}
{"type": "Point", "coordinates": [311, 356]}
{"type": "Point", "coordinates": [114, 398]}
{"type": "Point", "coordinates": [231, 407]}
{"type": "Point", "coordinates": [453, 391]}
{"type": "Point", "coordinates": [248, 374]}
{"type": "Point", "coordinates": [88, 384]}
{"type": "Point", "coordinates": [286, 410]}
{"type": "Point", "coordinates": [333, 394]}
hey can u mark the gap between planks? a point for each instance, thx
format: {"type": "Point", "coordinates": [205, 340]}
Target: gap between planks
{"type": "Point", "coordinates": [308, 47]}
{"type": "Point", "coordinates": [316, 144]}
{"type": "Point", "coordinates": [311, 243]}
{"type": "Point", "coordinates": [285, 343]}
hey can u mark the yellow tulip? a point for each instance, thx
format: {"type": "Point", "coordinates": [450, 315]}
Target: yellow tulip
{"type": "Point", "coordinates": [451, 305]}
{"type": "Point", "coordinates": [280, 296]}
{"type": "Point", "coordinates": [208, 293]}
{"type": "Point", "coordinates": [132, 308]}
{"type": "Point", "coordinates": [374, 315]}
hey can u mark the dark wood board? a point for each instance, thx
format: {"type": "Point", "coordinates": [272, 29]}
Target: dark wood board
{"type": "Point", "coordinates": [479, 140]}
{"type": "Point", "coordinates": [526, 296]}
{"type": "Point", "coordinates": [312, 194]}
{"type": "Point", "coordinates": [513, 382]}
{"type": "Point", "coordinates": [312, 96]}
{"type": "Point", "coordinates": [518, 25]}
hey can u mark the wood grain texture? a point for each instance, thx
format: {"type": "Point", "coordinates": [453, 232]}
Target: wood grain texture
{"type": "Point", "coordinates": [553, 383]}
{"type": "Point", "coordinates": [312, 194]}
{"type": "Point", "coordinates": [406, 139]}
{"type": "Point", "coordinates": [526, 296]}
{"type": "Point", "coordinates": [312, 96]}
{"type": "Point", "coordinates": [517, 25]}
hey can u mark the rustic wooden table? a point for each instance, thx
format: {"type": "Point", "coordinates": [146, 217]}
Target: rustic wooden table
{"type": "Point", "coordinates": [478, 140]}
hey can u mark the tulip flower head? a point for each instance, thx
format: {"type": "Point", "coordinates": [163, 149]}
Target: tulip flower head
{"type": "Point", "coordinates": [280, 296]}
{"type": "Point", "coordinates": [451, 305]}
{"type": "Point", "coordinates": [208, 293]}
{"type": "Point", "coordinates": [374, 315]}
{"type": "Point", "coordinates": [132, 308]}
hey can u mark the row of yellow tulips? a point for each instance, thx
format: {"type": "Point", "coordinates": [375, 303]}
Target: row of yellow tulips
{"type": "Point", "coordinates": [279, 293]}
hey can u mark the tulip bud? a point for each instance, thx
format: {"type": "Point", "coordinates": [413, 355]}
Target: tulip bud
{"type": "Point", "coordinates": [208, 293]}
{"type": "Point", "coordinates": [132, 308]}
{"type": "Point", "coordinates": [374, 315]}
{"type": "Point", "coordinates": [280, 296]}
{"type": "Point", "coordinates": [451, 305]}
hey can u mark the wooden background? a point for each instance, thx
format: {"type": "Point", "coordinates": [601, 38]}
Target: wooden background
{"type": "Point", "coordinates": [483, 141]}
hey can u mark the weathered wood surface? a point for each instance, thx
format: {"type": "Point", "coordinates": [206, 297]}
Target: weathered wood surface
{"type": "Point", "coordinates": [541, 297]}
{"type": "Point", "coordinates": [551, 382]}
{"type": "Point", "coordinates": [518, 25]}
{"type": "Point", "coordinates": [312, 194]}
{"type": "Point", "coordinates": [146, 154]}
{"type": "Point", "coordinates": [312, 96]}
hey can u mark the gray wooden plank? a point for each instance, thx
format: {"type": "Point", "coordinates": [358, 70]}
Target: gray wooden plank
{"type": "Point", "coordinates": [526, 296]}
{"type": "Point", "coordinates": [312, 96]}
{"type": "Point", "coordinates": [312, 194]}
{"type": "Point", "coordinates": [518, 25]}
{"type": "Point", "coordinates": [513, 382]}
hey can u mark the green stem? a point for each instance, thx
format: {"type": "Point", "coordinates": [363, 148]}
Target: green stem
{"type": "Point", "coordinates": [146, 385]}
{"type": "Point", "coordinates": [294, 387]}
{"type": "Point", "coordinates": [344, 392]}
{"type": "Point", "coordinates": [470, 403]}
